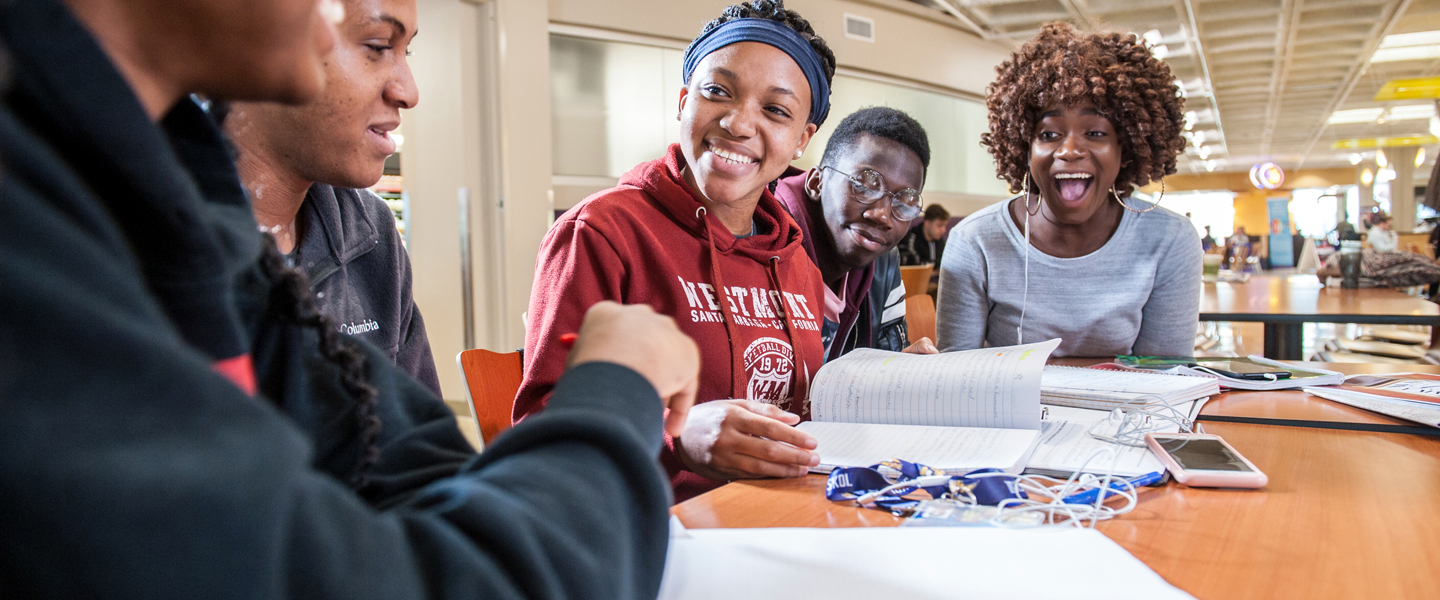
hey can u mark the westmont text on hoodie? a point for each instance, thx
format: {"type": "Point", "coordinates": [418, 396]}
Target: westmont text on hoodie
{"type": "Point", "coordinates": [753, 304]}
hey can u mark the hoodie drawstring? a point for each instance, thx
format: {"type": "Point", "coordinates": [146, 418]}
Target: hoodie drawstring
{"type": "Point", "coordinates": [800, 403]}
{"type": "Point", "coordinates": [738, 382]}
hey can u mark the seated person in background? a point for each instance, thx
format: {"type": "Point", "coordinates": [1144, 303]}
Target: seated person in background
{"type": "Point", "coordinates": [853, 208]}
{"type": "Point", "coordinates": [1077, 122]}
{"type": "Point", "coordinates": [175, 419]}
{"type": "Point", "coordinates": [1382, 237]}
{"type": "Point", "coordinates": [1207, 243]}
{"type": "Point", "coordinates": [925, 245]}
{"type": "Point", "coordinates": [697, 235]}
{"type": "Point", "coordinates": [306, 168]}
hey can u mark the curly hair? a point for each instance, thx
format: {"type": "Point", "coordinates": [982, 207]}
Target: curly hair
{"type": "Point", "coordinates": [775, 11]}
{"type": "Point", "coordinates": [1113, 71]}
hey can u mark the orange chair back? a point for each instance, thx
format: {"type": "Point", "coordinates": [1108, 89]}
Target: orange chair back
{"type": "Point", "coordinates": [920, 317]}
{"type": "Point", "coordinates": [491, 381]}
{"type": "Point", "coordinates": [916, 279]}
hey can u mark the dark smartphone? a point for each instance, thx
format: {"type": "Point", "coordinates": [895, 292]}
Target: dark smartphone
{"type": "Point", "coordinates": [1244, 370]}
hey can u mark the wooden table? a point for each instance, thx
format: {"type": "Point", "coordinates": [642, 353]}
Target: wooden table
{"type": "Point", "coordinates": [1285, 303]}
{"type": "Point", "coordinates": [1347, 514]}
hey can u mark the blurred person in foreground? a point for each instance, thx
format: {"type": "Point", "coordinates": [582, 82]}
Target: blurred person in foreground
{"type": "Point", "coordinates": [177, 420]}
{"type": "Point", "coordinates": [307, 166]}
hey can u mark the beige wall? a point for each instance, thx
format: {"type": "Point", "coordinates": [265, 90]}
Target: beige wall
{"type": "Point", "coordinates": [435, 167]}
{"type": "Point", "coordinates": [906, 45]}
{"type": "Point", "coordinates": [482, 125]}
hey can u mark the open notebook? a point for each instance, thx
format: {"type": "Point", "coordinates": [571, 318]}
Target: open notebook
{"type": "Point", "coordinates": [956, 411]}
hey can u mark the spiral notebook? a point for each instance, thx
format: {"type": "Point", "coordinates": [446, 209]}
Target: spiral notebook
{"type": "Point", "coordinates": [1105, 389]}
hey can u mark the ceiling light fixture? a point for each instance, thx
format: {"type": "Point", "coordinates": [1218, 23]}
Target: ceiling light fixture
{"type": "Point", "coordinates": [1381, 159]}
{"type": "Point", "coordinates": [1420, 157]}
{"type": "Point", "coordinates": [1354, 115]}
{"type": "Point", "coordinates": [1355, 159]}
{"type": "Point", "coordinates": [1421, 45]}
{"type": "Point", "coordinates": [1366, 177]}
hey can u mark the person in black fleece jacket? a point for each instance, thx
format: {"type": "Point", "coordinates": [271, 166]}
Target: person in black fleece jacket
{"type": "Point", "coordinates": [176, 422]}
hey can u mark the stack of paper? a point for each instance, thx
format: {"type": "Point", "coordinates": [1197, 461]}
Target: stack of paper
{"type": "Point", "coordinates": [914, 563]}
{"type": "Point", "coordinates": [1107, 389]}
{"type": "Point", "coordinates": [1410, 396]}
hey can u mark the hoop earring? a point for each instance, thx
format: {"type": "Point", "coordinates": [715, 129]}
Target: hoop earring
{"type": "Point", "coordinates": [1027, 197]}
{"type": "Point", "coordinates": [1153, 206]}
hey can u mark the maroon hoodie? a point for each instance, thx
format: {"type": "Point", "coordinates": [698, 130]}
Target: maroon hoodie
{"type": "Point", "coordinates": [753, 305]}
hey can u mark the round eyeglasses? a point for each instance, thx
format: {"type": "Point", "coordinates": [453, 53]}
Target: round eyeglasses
{"type": "Point", "coordinates": [868, 187]}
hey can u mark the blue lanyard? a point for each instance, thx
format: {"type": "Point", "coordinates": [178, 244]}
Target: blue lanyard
{"type": "Point", "coordinates": [861, 484]}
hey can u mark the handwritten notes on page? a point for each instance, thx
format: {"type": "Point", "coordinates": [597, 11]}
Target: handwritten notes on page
{"type": "Point", "coordinates": [989, 387]}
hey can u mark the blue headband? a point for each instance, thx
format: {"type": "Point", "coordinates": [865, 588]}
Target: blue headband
{"type": "Point", "coordinates": [772, 33]}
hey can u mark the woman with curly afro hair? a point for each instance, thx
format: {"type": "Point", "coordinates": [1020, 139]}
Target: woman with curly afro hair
{"type": "Point", "coordinates": [1077, 122]}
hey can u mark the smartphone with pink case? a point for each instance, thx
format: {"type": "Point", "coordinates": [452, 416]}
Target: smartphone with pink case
{"type": "Point", "coordinates": [1204, 460]}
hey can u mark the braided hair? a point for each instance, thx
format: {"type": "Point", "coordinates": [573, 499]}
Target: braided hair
{"type": "Point", "coordinates": [291, 300]}
{"type": "Point", "coordinates": [775, 11]}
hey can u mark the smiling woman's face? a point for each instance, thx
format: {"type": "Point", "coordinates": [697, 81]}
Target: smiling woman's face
{"type": "Point", "coordinates": [742, 118]}
{"type": "Point", "coordinates": [1074, 158]}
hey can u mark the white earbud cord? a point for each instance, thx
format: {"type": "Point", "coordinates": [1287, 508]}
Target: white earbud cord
{"type": "Point", "coordinates": [1025, 293]}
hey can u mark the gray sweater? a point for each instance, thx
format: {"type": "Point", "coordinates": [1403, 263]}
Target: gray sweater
{"type": "Point", "coordinates": [1137, 294]}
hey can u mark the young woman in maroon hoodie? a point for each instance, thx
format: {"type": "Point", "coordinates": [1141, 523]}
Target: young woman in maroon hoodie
{"type": "Point", "coordinates": [696, 235]}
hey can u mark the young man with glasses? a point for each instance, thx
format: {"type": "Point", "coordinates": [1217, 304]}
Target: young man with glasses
{"type": "Point", "coordinates": [854, 208]}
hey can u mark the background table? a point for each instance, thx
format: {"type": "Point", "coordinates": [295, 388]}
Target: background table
{"type": "Point", "coordinates": [1284, 303]}
{"type": "Point", "coordinates": [1347, 514]}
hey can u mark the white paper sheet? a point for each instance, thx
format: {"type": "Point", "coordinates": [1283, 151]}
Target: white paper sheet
{"type": "Point", "coordinates": [1065, 444]}
{"type": "Point", "coordinates": [914, 563]}
{"type": "Point", "coordinates": [1419, 412]}
{"type": "Point", "coordinates": [959, 449]}
{"type": "Point", "coordinates": [989, 387]}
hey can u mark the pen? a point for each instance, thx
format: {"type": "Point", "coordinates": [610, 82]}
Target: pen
{"type": "Point", "coordinates": [1089, 496]}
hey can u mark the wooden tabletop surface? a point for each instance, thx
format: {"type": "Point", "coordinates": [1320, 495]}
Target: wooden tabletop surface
{"type": "Point", "coordinates": [1303, 299]}
{"type": "Point", "coordinates": [1346, 514]}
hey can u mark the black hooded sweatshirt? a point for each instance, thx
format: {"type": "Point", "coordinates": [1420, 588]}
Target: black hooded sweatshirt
{"type": "Point", "coordinates": [131, 468]}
